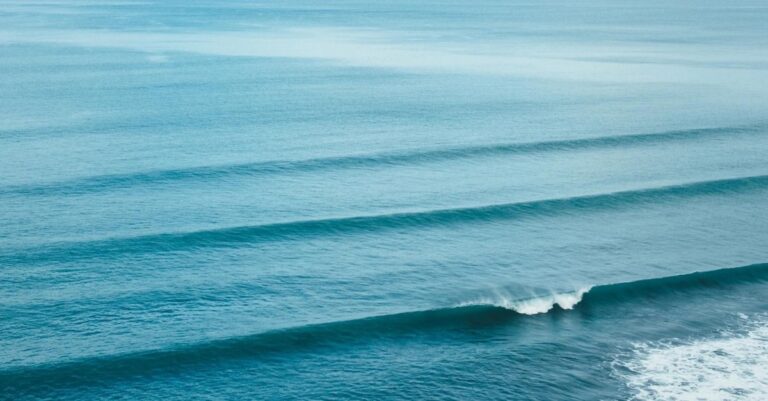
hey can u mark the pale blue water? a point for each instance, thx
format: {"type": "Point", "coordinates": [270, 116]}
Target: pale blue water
{"type": "Point", "coordinates": [383, 200]}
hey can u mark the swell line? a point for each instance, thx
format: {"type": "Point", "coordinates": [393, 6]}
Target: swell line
{"type": "Point", "coordinates": [305, 229]}
{"type": "Point", "coordinates": [607, 294]}
{"type": "Point", "coordinates": [352, 332]}
{"type": "Point", "coordinates": [118, 181]}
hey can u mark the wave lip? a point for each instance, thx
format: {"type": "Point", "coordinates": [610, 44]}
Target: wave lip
{"type": "Point", "coordinates": [303, 229]}
{"type": "Point", "coordinates": [534, 305]}
{"type": "Point", "coordinates": [409, 157]}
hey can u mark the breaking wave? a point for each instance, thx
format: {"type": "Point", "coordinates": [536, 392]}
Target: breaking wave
{"type": "Point", "coordinates": [534, 305]}
{"type": "Point", "coordinates": [477, 313]}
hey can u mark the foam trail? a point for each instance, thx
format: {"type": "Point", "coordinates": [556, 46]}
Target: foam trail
{"type": "Point", "coordinates": [362, 48]}
{"type": "Point", "coordinates": [731, 367]}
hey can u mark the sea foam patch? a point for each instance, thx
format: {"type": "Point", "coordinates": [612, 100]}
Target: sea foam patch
{"type": "Point", "coordinates": [731, 367]}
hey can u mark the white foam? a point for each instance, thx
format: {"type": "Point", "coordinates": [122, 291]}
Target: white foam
{"type": "Point", "coordinates": [533, 305]}
{"type": "Point", "coordinates": [730, 368]}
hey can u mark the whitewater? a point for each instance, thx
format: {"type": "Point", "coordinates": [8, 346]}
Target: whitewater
{"type": "Point", "coordinates": [359, 200]}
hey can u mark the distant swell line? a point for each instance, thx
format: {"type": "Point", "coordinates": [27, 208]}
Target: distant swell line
{"type": "Point", "coordinates": [349, 332]}
{"type": "Point", "coordinates": [303, 229]}
{"type": "Point", "coordinates": [116, 181]}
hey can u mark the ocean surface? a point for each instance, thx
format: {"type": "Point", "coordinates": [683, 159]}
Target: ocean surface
{"type": "Point", "coordinates": [383, 200]}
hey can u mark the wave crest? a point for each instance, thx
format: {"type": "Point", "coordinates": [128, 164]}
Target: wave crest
{"type": "Point", "coordinates": [533, 305]}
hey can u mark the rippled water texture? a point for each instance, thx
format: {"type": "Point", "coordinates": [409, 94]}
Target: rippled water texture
{"type": "Point", "coordinates": [493, 200]}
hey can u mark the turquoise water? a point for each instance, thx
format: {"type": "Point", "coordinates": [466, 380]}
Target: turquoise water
{"type": "Point", "coordinates": [383, 200]}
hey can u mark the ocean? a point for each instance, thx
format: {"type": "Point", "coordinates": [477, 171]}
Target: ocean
{"type": "Point", "coordinates": [400, 200]}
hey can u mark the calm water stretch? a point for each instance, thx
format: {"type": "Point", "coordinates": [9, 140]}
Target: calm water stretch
{"type": "Point", "coordinates": [367, 200]}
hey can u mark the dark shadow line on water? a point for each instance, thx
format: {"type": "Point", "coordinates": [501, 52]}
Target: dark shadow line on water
{"type": "Point", "coordinates": [409, 157]}
{"type": "Point", "coordinates": [305, 229]}
{"type": "Point", "coordinates": [261, 345]}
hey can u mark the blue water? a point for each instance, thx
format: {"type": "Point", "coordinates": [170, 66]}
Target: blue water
{"type": "Point", "coordinates": [491, 200]}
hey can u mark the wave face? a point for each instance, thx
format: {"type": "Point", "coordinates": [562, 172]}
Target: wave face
{"type": "Point", "coordinates": [392, 200]}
